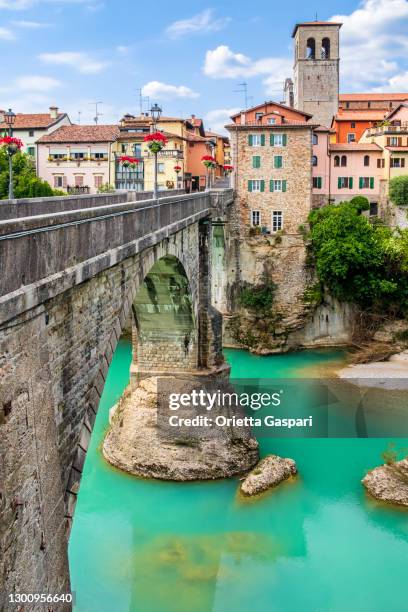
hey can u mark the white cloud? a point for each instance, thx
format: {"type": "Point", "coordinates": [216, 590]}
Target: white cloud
{"type": "Point", "coordinates": [371, 43]}
{"type": "Point", "coordinates": [122, 49]}
{"type": "Point", "coordinates": [6, 34]}
{"type": "Point", "coordinates": [222, 63]}
{"type": "Point", "coordinates": [15, 5]}
{"type": "Point", "coordinates": [218, 118]}
{"type": "Point", "coordinates": [203, 22]}
{"type": "Point", "coordinates": [155, 89]}
{"type": "Point", "coordinates": [80, 61]}
{"type": "Point", "coordinates": [36, 83]}
{"type": "Point", "coordinates": [30, 25]}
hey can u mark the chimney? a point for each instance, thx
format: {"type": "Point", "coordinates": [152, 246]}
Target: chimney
{"type": "Point", "coordinates": [193, 116]}
{"type": "Point", "coordinates": [54, 112]}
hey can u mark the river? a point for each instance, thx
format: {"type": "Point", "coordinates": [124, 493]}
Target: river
{"type": "Point", "coordinates": [316, 544]}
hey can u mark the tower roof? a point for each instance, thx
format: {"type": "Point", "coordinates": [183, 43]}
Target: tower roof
{"type": "Point", "coordinates": [307, 24]}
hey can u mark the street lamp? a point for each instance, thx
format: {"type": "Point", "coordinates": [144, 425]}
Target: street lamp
{"type": "Point", "coordinates": [10, 119]}
{"type": "Point", "coordinates": [155, 112]}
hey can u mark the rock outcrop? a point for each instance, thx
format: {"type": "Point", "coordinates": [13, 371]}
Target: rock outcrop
{"type": "Point", "coordinates": [268, 473]}
{"type": "Point", "coordinates": [141, 442]}
{"type": "Point", "coordinates": [389, 482]}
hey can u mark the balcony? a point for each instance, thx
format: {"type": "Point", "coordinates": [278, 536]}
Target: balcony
{"type": "Point", "coordinates": [174, 153]}
{"type": "Point", "coordinates": [77, 160]}
{"type": "Point", "coordinates": [78, 189]}
{"type": "Point", "coordinates": [380, 130]}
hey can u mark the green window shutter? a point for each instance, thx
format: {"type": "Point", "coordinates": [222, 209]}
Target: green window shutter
{"type": "Point", "coordinates": [351, 183]}
{"type": "Point", "coordinates": [319, 182]}
{"type": "Point", "coordinates": [271, 185]}
{"type": "Point", "coordinates": [250, 140]}
{"type": "Point", "coordinates": [256, 161]}
{"type": "Point", "coordinates": [277, 161]}
{"type": "Point", "coordinates": [249, 185]}
{"type": "Point", "coordinates": [262, 185]}
{"type": "Point", "coordinates": [339, 182]}
{"type": "Point", "coordinates": [262, 140]}
{"type": "Point", "coordinates": [372, 182]}
{"type": "Point", "coordinates": [284, 139]}
{"type": "Point", "coordinates": [272, 140]}
{"type": "Point", "coordinates": [361, 182]}
{"type": "Point", "coordinates": [283, 185]}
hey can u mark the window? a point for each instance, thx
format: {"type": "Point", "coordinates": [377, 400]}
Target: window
{"type": "Point", "coordinates": [256, 161]}
{"type": "Point", "coordinates": [256, 185]}
{"type": "Point", "coordinates": [98, 179]}
{"type": "Point", "coordinates": [271, 121]}
{"type": "Point", "coordinates": [397, 162]}
{"type": "Point", "coordinates": [347, 104]}
{"type": "Point", "coordinates": [123, 148]}
{"type": "Point", "coordinates": [57, 156]}
{"type": "Point", "coordinates": [336, 161]}
{"type": "Point", "coordinates": [380, 163]}
{"type": "Point", "coordinates": [345, 182]}
{"type": "Point", "coordinates": [258, 116]}
{"type": "Point", "coordinates": [255, 217]}
{"type": "Point", "coordinates": [277, 161]}
{"type": "Point", "coordinates": [277, 220]}
{"type": "Point", "coordinates": [278, 140]}
{"type": "Point", "coordinates": [368, 104]}
{"type": "Point", "coordinates": [31, 151]}
{"type": "Point", "coordinates": [394, 141]}
{"type": "Point", "coordinates": [100, 155]}
{"type": "Point", "coordinates": [80, 155]}
{"type": "Point", "coordinates": [59, 181]}
{"type": "Point", "coordinates": [315, 139]}
{"type": "Point", "coordinates": [366, 182]}
{"type": "Point", "coordinates": [351, 137]}
{"type": "Point", "coordinates": [256, 140]}
{"type": "Point", "coordinates": [325, 51]}
{"type": "Point", "coordinates": [31, 133]}
{"type": "Point", "coordinates": [310, 48]}
{"type": "Point", "coordinates": [314, 160]}
{"type": "Point", "coordinates": [317, 182]}
{"type": "Point", "coordinates": [79, 180]}
{"type": "Point", "coordinates": [277, 185]}
{"type": "Point", "coordinates": [161, 168]}
{"type": "Point", "coordinates": [343, 160]}
{"type": "Point", "coordinates": [366, 160]}
{"type": "Point", "coordinates": [353, 125]}
{"type": "Point", "coordinates": [137, 150]}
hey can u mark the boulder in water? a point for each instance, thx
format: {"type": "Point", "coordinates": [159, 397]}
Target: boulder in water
{"type": "Point", "coordinates": [269, 472]}
{"type": "Point", "coordinates": [389, 483]}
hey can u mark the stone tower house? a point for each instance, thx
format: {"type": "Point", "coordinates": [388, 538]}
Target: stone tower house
{"type": "Point", "coordinates": [316, 69]}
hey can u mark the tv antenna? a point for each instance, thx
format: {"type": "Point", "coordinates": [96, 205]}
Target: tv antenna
{"type": "Point", "coordinates": [79, 117]}
{"type": "Point", "coordinates": [142, 100]}
{"type": "Point", "coordinates": [97, 113]}
{"type": "Point", "coordinates": [243, 88]}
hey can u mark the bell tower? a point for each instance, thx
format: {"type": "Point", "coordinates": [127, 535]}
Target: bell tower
{"type": "Point", "coordinates": [316, 69]}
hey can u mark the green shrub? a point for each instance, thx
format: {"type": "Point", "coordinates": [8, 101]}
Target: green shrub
{"type": "Point", "coordinates": [399, 190]}
{"type": "Point", "coordinates": [106, 188]}
{"type": "Point", "coordinates": [361, 203]}
{"type": "Point", "coordinates": [25, 181]}
{"type": "Point", "coordinates": [258, 297]}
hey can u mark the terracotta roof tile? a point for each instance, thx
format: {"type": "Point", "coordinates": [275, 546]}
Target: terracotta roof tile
{"type": "Point", "coordinates": [82, 133]}
{"type": "Point", "coordinates": [362, 97]}
{"type": "Point", "coordinates": [36, 120]}
{"type": "Point", "coordinates": [355, 146]}
{"type": "Point", "coordinates": [370, 114]}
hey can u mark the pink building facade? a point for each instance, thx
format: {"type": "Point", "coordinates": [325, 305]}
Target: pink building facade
{"type": "Point", "coordinates": [77, 158]}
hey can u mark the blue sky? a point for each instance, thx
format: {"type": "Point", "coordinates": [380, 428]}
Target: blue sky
{"type": "Point", "coordinates": [188, 56]}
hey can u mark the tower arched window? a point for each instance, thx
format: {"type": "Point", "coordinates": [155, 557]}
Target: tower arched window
{"type": "Point", "coordinates": [325, 51]}
{"type": "Point", "coordinates": [336, 160]}
{"type": "Point", "coordinates": [311, 48]}
{"type": "Point", "coordinates": [366, 160]}
{"type": "Point", "coordinates": [314, 160]}
{"type": "Point", "coordinates": [343, 160]}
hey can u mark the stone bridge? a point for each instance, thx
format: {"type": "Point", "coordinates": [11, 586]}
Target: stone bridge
{"type": "Point", "coordinates": [69, 283]}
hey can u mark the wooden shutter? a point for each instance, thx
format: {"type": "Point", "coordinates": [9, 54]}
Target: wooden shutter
{"type": "Point", "coordinates": [351, 182]}
{"type": "Point", "coordinates": [402, 162]}
{"type": "Point", "coordinates": [64, 182]}
{"type": "Point", "coordinates": [399, 140]}
{"type": "Point", "coordinates": [284, 140]}
{"type": "Point", "coordinates": [255, 159]}
{"type": "Point", "coordinates": [388, 141]}
{"type": "Point", "coordinates": [262, 140]}
{"type": "Point", "coordinates": [319, 182]}
{"type": "Point", "coordinates": [361, 182]}
{"type": "Point", "coordinates": [250, 140]}
{"type": "Point", "coordinates": [378, 163]}
{"type": "Point", "coordinates": [262, 185]}
{"type": "Point", "coordinates": [271, 186]}
{"type": "Point", "coordinates": [249, 185]}
{"type": "Point", "coordinates": [283, 185]}
{"type": "Point", "coordinates": [277, 161]}
{"type": "Point", "coordinates": [339, 182]}
{"type": "Point", "coordinates": [272, 140]}
{"type": "Point", "coordinates": [371, 182]}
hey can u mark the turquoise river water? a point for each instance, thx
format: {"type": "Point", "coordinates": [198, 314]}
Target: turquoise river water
{"type": "Point", "coordinates": [314, 544]}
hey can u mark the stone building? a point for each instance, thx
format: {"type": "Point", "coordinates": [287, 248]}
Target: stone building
{"type": "Point", "coordinates": [272, 149]}
{"type": "Point", "coordinates": [316, 69]}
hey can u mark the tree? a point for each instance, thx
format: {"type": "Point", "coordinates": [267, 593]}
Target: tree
{"type": "Point", "coordinates": [359, 261]}
{"type": "Point", "coordinates": [26, 183]}
{"type": "Point", "coordinates": [399, 190]}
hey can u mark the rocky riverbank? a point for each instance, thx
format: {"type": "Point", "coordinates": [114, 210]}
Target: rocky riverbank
{"type": "Point", "coordinates": [268, 473]}
{"type": "Point", "coordinates": [141, 442]}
